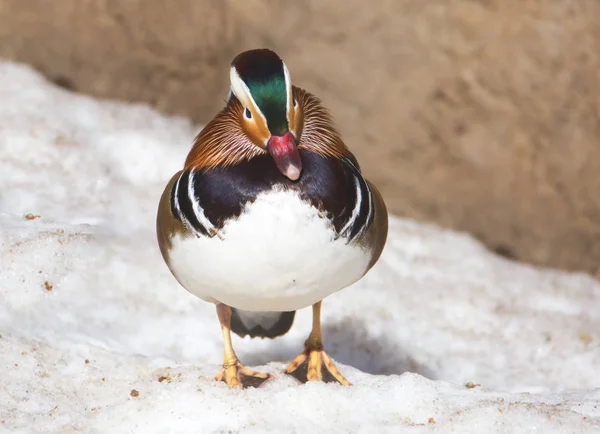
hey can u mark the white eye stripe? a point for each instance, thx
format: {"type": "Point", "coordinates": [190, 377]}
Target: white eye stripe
{"type": "Point", "coordinates": [241, 91]}
{"type": "Point", "coordinates": [239, 88]}
{"type": "Point", "coordinates": [288, 88]}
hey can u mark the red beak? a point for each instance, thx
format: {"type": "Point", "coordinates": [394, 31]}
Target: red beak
{"type": "Point", "coordinates": [285, 154]}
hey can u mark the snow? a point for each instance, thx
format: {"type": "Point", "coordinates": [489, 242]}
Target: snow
{"type": "Point", "coordinates": [98, 337]}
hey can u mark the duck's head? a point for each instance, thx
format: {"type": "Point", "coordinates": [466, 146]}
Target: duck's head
{"type": "Point", "coordinates": [265, 114]}
{"type": "Point", "coordinates": [269, 115]}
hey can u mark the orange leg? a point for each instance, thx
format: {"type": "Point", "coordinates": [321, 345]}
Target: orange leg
{"type": "Point", "coordinates": [233, 373]}
{"type": "Point", "coordinates": [314, 364]}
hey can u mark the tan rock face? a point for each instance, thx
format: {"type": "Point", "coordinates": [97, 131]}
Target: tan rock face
{"type": "Point", "coordinates": [171, 54]}
{"type": "Point", "coordinates": [481, 115]}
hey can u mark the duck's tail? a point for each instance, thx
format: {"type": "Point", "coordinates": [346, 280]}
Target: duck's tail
{"type": "Point", "coordinates": [261, 324]}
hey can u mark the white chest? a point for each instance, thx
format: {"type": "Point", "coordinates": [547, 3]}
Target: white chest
{"type": "Point", "coordinates": [279, 255]}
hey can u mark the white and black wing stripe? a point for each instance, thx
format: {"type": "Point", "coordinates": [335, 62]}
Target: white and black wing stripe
{"type": "Point", "coordinates": [185, 206]}
{"type": "Point", "coordinates": [347, 196]}
{"type": "Point", "coordinates": [362, 212]}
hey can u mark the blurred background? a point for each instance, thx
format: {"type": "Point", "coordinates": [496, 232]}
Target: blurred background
{"type": "Point", "coordinates": [478, 115]}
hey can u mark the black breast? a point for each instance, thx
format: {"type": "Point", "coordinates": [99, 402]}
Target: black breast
{"type": "Point", "coordinates": [331, 185]}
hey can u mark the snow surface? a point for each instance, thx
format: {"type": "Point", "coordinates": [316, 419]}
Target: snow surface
{"type": "Point", "coordinates": [97, 336]}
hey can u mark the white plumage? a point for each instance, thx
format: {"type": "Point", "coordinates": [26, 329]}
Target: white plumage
{"type": "Point", "coordinates": [279, 255]}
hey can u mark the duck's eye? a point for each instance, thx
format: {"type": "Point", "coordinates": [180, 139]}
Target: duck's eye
{"type": "Point", "coordinates": [248, 114]}
{"type": "Point", "coordinates": [295, 103]}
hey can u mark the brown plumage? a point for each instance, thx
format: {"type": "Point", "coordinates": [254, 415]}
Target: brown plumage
{"type": "Point", "coordinates": [223, 141]}
{"type": "Point", "coordinates": [376, 235]}
{"type": "Point", "coordinates": [167, 226]}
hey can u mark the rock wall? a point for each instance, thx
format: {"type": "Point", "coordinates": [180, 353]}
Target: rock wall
{"type": "Point", "coordinates": [480, 115]}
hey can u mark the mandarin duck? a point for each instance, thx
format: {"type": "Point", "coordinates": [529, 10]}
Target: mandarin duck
{"type": "Point", "coordinates": [270, 214]}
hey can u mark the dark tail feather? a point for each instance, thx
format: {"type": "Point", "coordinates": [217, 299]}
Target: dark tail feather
{"type": "Point", "coordinates": [261, 324]}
